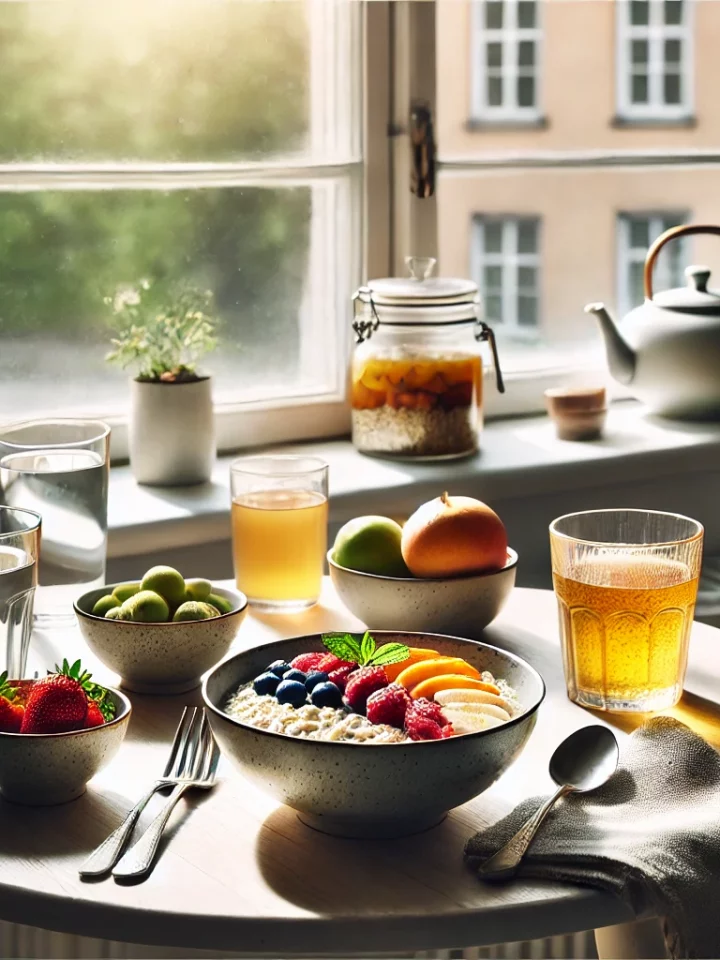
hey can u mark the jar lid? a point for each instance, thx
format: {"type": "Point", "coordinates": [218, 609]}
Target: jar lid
{"type": "Point", "coordinates": [420, 289]}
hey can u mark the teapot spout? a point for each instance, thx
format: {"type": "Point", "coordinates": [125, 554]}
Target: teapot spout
{"type": "Point", "coordinates": [621, 356]}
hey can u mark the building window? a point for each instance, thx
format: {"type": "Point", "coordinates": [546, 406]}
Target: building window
{"type": "Point", "coordinates": [636, 232]}
{"type": "Point", "coordinates": [654, 58]}
{"type": "Point", "coordinates": [505, 59]}
{"type": "Point", "coordinates": [506, 266]}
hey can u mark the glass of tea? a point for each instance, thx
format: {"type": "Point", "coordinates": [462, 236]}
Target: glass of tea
{"type": "Point", "coordinates": [626, 583]}
{"type": "Point", "coordinates": [279, 530]}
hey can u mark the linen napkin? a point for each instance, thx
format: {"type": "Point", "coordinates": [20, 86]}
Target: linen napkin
{"type": "Point", "coordinates": [650, 835]}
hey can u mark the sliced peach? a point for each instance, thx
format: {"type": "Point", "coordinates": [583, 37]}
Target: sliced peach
{"type": "Point", "coordinates": [419, 672]}
{"type": "Point", "coordinates": [417, 654]}
{"type": "Point", "coordinates": [449, 681]}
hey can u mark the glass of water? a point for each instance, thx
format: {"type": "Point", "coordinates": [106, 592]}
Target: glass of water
{"type": "Point", "coordinates": [19, 543]}
{"type": "Point", "coordinates": [60, 470]}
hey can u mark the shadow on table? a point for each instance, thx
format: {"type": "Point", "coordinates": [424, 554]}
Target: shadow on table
{"type": "Point", "coordinates": [155, 719]}
{"type": "Point", "coordinates": [698, 713]}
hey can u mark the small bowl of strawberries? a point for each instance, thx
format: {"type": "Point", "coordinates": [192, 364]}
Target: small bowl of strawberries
{"type": "Point", "coordinates": [56, 733]}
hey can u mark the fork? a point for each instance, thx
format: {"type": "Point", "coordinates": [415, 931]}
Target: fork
{"type": "Point", "coordinates": [203, 757]}
{"type": "Point", "coordinates": [104, 857]}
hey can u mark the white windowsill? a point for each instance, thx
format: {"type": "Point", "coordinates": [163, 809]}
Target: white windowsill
{"type": "Point", "coordinates": [520, 458]}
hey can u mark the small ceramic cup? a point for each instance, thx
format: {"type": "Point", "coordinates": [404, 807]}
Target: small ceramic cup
{"type": "Point", "coordinates": [579, 413]}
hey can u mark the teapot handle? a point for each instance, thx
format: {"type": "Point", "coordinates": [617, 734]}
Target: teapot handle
{"type": "Point", "coordinates": [672, 234]}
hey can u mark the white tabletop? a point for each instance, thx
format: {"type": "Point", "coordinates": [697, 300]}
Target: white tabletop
{"type": "Point", "coordinates": [240, 872]}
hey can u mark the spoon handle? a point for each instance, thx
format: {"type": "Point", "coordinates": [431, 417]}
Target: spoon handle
{"type": "Point", "coordinates": [504, 863]}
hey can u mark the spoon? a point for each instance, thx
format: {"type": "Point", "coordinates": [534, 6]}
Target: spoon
{"type": "Point", "coordinates": [582, 762]}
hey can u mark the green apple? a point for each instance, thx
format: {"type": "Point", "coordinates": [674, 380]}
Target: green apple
{"type": "Point", "coordinates": [220, 603]}
{"type": "Point", "coordinates": [123, 591]}
{"type": "Point", "coordinates": [146, 607]}
{"type": "Point", "coordinates": [114, 613]}
{"type": "Point", "coordinates": [166, 581]}
{"type": "Point", "coordinates": [104, 604]}
{"type": "Point", "coordinates": [198, 589]}
{"type": "Point", "coordinates": [193, 610]}
{"type": "Point", "coordinates": [371, 545]}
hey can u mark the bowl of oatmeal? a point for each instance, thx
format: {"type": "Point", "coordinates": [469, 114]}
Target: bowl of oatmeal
{"type": "Point", "coordinates": [349, 775]}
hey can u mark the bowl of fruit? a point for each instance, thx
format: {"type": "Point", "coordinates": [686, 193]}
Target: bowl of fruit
{"type": "Point", "coordinates": [56, 733]}
{"type": "Point", "coordinates": [162, 633]}
{"type": "Point", "coordinates": [374, 735]}
{"type": "Point", "coordinates": [449, 569]}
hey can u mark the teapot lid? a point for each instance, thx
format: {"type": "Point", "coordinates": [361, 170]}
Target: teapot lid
{"type": "Point", "coordinates": [695, 297]}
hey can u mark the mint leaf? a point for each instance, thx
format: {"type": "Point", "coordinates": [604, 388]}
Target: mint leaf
{"type": "Point", "coordinates": [367, 648]}
{"type": "Point", "coordinates": [389, 653]}
{"type": "Point", "coordinates": [343, 645]}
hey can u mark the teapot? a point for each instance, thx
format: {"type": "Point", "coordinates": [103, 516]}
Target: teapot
{"type": "Point", "coordinates": [668, 350]}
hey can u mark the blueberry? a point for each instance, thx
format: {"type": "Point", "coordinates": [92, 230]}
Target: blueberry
{"type": "Point", "coordinates": [292, 692]}
{"type": "Point", "coordinates": [295, 675]}
{"type": "Point", "coordinates": [266, 683]}
{"type": "Point", "coordinates": [279, 668]}
{"type": "Point", "coordinates": [326, 695]}
{"type": "Point", "coordinates": [314, 678]}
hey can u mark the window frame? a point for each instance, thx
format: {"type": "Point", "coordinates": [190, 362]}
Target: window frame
{"type": "Point", "coordinates": [655, 33]}
{"type": "Point", "coordinates": [625, 251]}
{"type": "Point", "coordinates": [509, 38]}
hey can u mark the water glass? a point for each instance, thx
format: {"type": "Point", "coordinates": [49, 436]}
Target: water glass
{"type": "Point", "coordinates": [626, 582]}
{"type": "Point", "coordinates": [279, 530]}
{"type": "Point", "coordinates": [19, 544]}
{"type": "Point", "coordinates": [60, 469]}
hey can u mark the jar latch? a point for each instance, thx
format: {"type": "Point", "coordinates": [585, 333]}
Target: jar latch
{"type": "Point", "coordinates": [364, 328]}
{"type": "Point", "coordinates": [482, 333]}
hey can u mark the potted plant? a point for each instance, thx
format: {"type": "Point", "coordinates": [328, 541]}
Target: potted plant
{"type": "Point", "coordinates": [162, 334]}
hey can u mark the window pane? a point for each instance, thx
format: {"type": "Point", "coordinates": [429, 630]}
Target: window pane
{"type": "Point", "coordinates": [493, 309]}
{"type": "Point", "coordinates": [671, 88]}
{"type": "Point", "coordinates": [526, 53]}
{"type": "Point", "coordinates": [493, 15]}
{"type": "Point", "coordinates": [125, 80]}
{"type": "Point", "coordinates": [639, 234]}
{"type": "Point", "coordinates": [526, 278]}
{"type": "Point", "coordinates": [639, 51]}
{"type": "Point", "coordinates": [494, 55]}
{"type": "Point", "coordinates": [673, 12]}
{"type": "Point", "coordinates": [639, 12]}
{"type": "Point", "coordinates": [493, 237]}
{"type": "Point", "coordinates": [526, 91]}
{"type": "Point", "coordinates": [672, 51]}
{"type": "Point", "coordinates": [636, 289]}
{"type": "Point", "coordinates": [527, 236]}
{"type": "Point", "coordinates": [495, 91]}
{"type": "Point", "coordinates": [492, 279]}
{"type": "Point", "coordinates": [639, 92]}
{"type": "Point", "coordinates": [527, 311]}
{"type": "Point", "coordinates": [526, 13]}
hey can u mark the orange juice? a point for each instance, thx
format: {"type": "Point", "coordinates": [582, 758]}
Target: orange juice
{"type": "Point", "coordinates": [279, 544]}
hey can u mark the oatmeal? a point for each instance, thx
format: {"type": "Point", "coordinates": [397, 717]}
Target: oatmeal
{"type": "Point", "coordinates": [416, 433]}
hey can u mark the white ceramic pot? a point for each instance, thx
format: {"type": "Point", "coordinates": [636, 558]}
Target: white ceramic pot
{"type": "Point", "coordinates": [172, 432]}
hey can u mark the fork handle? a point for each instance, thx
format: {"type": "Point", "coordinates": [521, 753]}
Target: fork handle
{"type": "Point", "coordinates": [140, 856]}
{"type": "Point", "coordinates": [104, 857]}
{"type": "Point", "coordinates": [503, 864]}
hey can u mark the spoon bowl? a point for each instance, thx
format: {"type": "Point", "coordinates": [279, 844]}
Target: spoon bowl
{"type": "Point", "coordinates": [585, 759]}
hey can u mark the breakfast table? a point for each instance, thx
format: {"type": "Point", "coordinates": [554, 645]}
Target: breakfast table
{"type": "Point", "coordinates": [237, 871]}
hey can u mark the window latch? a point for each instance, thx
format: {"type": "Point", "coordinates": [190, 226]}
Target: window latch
{"type": "Point", "coordinates": [422, 145]}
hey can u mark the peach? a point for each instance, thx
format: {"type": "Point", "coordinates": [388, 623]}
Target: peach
{"type": "Point", "coordinates": [419, 672]}
{"type": "Point", "coordinates": [450, 681]}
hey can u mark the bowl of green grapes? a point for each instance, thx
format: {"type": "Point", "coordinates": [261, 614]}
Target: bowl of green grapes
{"type": "Point", "coordinates": [163, 632]}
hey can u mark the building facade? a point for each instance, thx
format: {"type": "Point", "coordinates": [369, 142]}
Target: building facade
{"type": "Point", "coordinates": [571, 134]}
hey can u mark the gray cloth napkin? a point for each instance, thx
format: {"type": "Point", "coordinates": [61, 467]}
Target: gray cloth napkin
{"type": "Point", "coordinates": [650, 835]}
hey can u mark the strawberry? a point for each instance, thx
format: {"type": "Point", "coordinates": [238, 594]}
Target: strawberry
{"type": "Point", "coordinates": [11, 714]}
{"type": "Point", "coordinates": [388, 705]}
{"type": "Point", "coordinates": [57, 703]}
{"type": "Point", "coordinates": [94, 716]}
{"type": "Point", "coordinates": [361, 684]}
{"type": "Point", "coordinates": [340, 676]}
{"type": "Point", "coordinates": [307, 661]}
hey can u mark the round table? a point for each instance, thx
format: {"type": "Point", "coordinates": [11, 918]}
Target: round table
{"type": "Point", "coordinates": [240, 872]}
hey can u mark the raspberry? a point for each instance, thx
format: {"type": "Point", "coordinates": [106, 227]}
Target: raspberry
{"type": "Point", "coordinates": [388, 705]}
{"type": "Point", "coordinates": [307, 661]}
{"type": "Point", "coordinates": [361, 684]}
{"type": "Point", "coordinates": [428, 709]}
{"type": "Point", "coordinates": [418, 727]}
{"type": "Point", "coordinates": [448, 731]}
{"type": "Point", "coordinates": [330, 662]}
{"type": "Point", "coordinates": [340, 676]}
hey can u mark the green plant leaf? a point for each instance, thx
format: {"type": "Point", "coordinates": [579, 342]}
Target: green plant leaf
{"type": "Point", "coordinates": [367, 648]}
{"type": "Point", "coordinates": [343, 645]}
{"type": "Point", "coordinates": [389, 653]}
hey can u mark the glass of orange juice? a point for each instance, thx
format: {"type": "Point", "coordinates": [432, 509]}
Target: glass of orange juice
{"type": "Point", "coordinates": [626, 582]}
{"type": "Point", "coordinates": [279, 530]}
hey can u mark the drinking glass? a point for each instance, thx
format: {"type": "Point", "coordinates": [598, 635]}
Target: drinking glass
{"type": "Point", "coordinates": [19, 543]}
{"type": "Point", "coordinates": [59, 469]}
{"type": "Point", "coordinates": [279, 530]}
{"type": "Point", "coordinates": [626, 583]}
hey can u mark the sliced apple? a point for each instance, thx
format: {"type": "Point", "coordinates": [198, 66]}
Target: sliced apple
{"type": "Point", "coordinates": [419, 672]}
{"type": "Point", "coordinates": [449, 681]}
{"type": "Point", "coordinates": [417, 655]}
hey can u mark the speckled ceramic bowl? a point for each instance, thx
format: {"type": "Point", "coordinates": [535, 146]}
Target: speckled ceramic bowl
{"type": "Point", "coordinates": [43, 769]}
{"type": "Point", "coordinates": [372, 790]}
{"type": "Point", "coordinates": [159, 658]}
{"type": "Point", "coordinates": [460, 606]}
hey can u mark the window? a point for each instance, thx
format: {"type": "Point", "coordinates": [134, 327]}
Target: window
{"type": "Point", "coordinates": [636, 232]}
{"type": "Point", "coordinates": [506, 266]}
{"type": "Point", "coordinates": [505, 61]}
{"type": "Point", "coordinates": [654, 59]}
{"type": "Point", "coordinates": [185, 142]}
